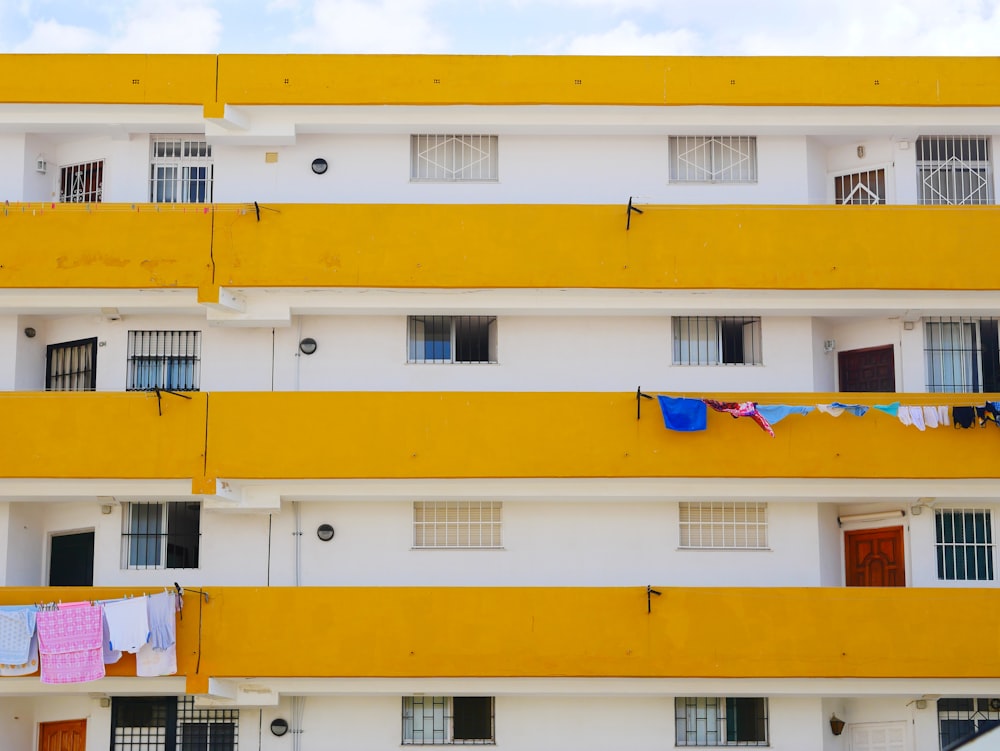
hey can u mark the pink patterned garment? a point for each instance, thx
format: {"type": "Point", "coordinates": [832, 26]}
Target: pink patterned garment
{"type": "Point", "coordinates": [69, 641]}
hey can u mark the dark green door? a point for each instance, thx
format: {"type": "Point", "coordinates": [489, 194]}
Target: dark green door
{"type": "Point", "coordinates": [72, 561]}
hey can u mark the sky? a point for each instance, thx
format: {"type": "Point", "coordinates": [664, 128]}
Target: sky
{"type": "Point", "coordinates": [509, 27]}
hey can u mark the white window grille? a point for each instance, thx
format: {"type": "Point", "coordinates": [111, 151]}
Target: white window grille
{"type": "Point", "coordinates": [457, 524]}
{"type": "Point", "coordinates": [713, 159]}
{"type": "Point", "coordinates": [161, 535]}
{"type": "Point", "coordinates": [964, 544]}
{"type": "Point", "coordinates": [82, 183]}
{"type": "Point", "coordinates": [739, 525]}
{"type": "Point", "coordinates": [717, 340]}
{"type": "Point", "coordinates": [447, 158]}
{"type": "Point", "coordinates": [720, 721]}
{"type": "Point", "coordinates": [181, 170]}
{"type": "Point", "coordinates": [962, 355]}
{"type": "Point", "coordinates": [458, 720]}
{"type": "Point", "coordinates": [865, 188]}
{"type": "Point", "coordinates": [169, 360]}
{"type": "Point", "coordinates": [954, 170]}
{"type": "Point", "coordinates": [451, 339]}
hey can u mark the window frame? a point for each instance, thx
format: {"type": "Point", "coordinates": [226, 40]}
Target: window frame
{"type": "Point", "coordinates": [181, 186]}
{"type": "Point", "coordinates": [169, 717]}
{"type": "Point", "coordinates": [429, 532]}
{"type": "Point", "coordinates": [450, 167]}
{"type": "Point", "coordinates": [724, 710]}
{"type": "Point", "coordinates": [89, 375]}
{"type": "Point", "coordinates": [974, 358]}
{"type": "Point", "coordinates": [949, 164]}
{"type": "Point", "coordinates": [155, 550]}
{"type": "Point", "coordinates": [719, 170]}
{"type": "Point", "coordinates": [703, 341]}
{"type": "Point", "coordinates": [984, 550]}
{"type": "Point", "coordinates": [464, 339]}
{"type": "Point", "coordinates": [175, 354]}
{"type": "Point", "coordinates": [699, 529]}
{"type": "Point", "coordinates": [446, 734]}
{"type": "Point", "coordinates": [977, 714]}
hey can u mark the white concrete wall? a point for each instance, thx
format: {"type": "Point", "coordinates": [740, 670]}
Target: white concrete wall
{"type": "Point", "coordinates": [871, 332]}
{"type": "Point", "coordinates": [17, 725]}
{"type": "Point", "coordinates": [817, 177]}
{"type": "Point", "coordinates": [878, 154]}
{"type": "Point", "coordinates": [38, 186]}
{"type": "Point", "coordinates": [12, 175]}
{"type": "Point", "coordinates": [26, 546]}
{"type": "Point", "coordinates": [831, 546]}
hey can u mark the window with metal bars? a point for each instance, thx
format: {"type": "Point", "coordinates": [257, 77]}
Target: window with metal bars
{"type": "Point", "coordinates": [439, 720]}
{"type": "Point", "coordinates": [71, 366]}
{"type": "Point", "coordinates": [165, 723]}
{"type": "Point", "coordinates": [181, 170]}
{"type": "Point", "coordinates": [457, 524]}
{"type": "Point", "coordinates": [964, 544]}
{"type": "Point", "coordinates": [717, 340]}
{"type": "Point", "coordinates": [161, 535]}
{"type": "Point", "coordinates": [960, 720]}
{"type": "Point", "coordinates": [448, 158]}
{"type": "Point", "coordinates": [451, 339]}
{"type": "Point", "coordinates": [720, 721]}
{"type": "Point", "coordinates": [954, 170]}
{"type": "Point", "coordinates": [962, 355]}
{"type": "Point", "coordinates": [860, 188]}
{"type": "Point", "coordinates": [740, 525]}
{"type": "Point", "coordinates": [713, 159]}
{"type": "Point", "coordinates": [82, 183]}
{"type": "Point", "coordinates": [169, 360]}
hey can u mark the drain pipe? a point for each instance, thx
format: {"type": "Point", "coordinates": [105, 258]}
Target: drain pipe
{"type": "Point", "coordinates": [298, 709]}
{"type": "Point", "coordinates": [298, 543]}
{"type": "Point", "coordinates": [298, 702]}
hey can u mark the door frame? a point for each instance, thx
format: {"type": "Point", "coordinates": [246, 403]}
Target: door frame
{"type": "Point", "coordinates": [864, 166]}
{"type": "Point", "coordinates": [846, 527]}
{"type": "Point", "coordinates": [62, 533]}
{"type": "Point", "coordinates": [895, 365]}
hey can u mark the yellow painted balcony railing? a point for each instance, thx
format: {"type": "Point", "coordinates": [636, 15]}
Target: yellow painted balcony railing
{"type": "Point", "coordinates": [337, 435]}
{"type": "Point", "coordinates": [491, 246]}
{"type": "Point", "coordinates": [572, 632]}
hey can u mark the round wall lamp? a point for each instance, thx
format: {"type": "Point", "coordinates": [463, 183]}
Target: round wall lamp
{"type": "Point", "coordinates": [319, 166]}
{"type": "Point", "coordinates": [307, 346]}
{"type": "Point", "coordinates": [279, 727]}
{"type": "Point", "coordinates": [325, 532]}
{"type": "Point", "coordinates": [29, 332]}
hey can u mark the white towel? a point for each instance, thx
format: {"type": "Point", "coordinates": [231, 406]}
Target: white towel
{"type": "Point", "coordinates": [128, 624]}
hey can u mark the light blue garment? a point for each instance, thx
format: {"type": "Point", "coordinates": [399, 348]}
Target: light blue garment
{"type": "Point", "coordinates": [858, 410]}
{"type": "Point", "coordinates": [17, 627]}
{"type": "Point", "coordinates": [775, 413]}
{"type": "Point", "coordinates": [889, 409]}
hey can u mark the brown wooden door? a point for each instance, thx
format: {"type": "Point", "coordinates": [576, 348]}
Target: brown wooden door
{"type": "Point", "coordinates": [874, 557]}
{"type": "Point", "coordinates": [68, 735]}
{"type": "Point", "coordinates": [869, 369]}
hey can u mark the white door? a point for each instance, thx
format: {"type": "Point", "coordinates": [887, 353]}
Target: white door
{"type": "Point", "coordinates": [879, 736]}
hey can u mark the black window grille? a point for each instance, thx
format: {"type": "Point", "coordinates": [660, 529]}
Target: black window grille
{"type": "Point", "coordinates": [452, 339]}
{"type": "Point", "coordinates": [71, 366]}
{"type": "Point", "coordinates": [171, 724]}
{"type": "Point", "coordinates": [964, 544]}
{"type": "Point", "coordinates": [962, 355]}
{"type": "Point", "coordinates": [720, 721]}
{"type": "Point", "coordinates": [161, 535]}
{"type": "Point", "coordinates": [169, 360]}
{"type": "Point", "coordinates": [440, 720]}
{"type": "Point", "coordinates": [717, 340]}
{"type": "Point", "coordinates": [960, 720]}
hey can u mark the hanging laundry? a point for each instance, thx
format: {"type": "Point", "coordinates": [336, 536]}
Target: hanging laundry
{"type": "Point", "coordinates": [742, 409]}
{"type": "Point", "coordinates": [162, 609]}
{"type": "Point", "coordinates": [963, 417]}
{"type": "Point", "coordinates": [69, 640]}
{"type": "Point", "coordinates": [889, 409]}
{"type": "Point", "coordinates": [18, 656]}
{"type": "Point", "coordinates": [912, 416]}
{"type": "Point", "coordinates": [989, 413]}
{"type": "Point", "coordinates": [775, 413]}
{"type": "Point", "coordinates": [943, 416]}
{"type": "Point", "coordinates": [836, 409]}
{"type": "Point", "coordinates": [108, 655]}
{"type": "Point", "coordinates": [128, 624]}
{"type": "Point", "coordinates": [930, 417]}
{"type": "Point", "coordinates": [683, 415]}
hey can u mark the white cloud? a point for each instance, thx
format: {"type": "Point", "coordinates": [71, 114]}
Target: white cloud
{"type": "Point", "coordinates": [629, 39]}
{"type": "Point", "coordinates": [390, 26]}
{"type": "Point", "coordinates": [51, 36]}
{"type": "Point", "coordinates": [181, 26]}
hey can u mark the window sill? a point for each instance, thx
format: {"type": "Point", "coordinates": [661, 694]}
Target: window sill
{"type": "Point", "coordinates": [725, 550]}
{"type": "Point", "coordinates": [457, 547]}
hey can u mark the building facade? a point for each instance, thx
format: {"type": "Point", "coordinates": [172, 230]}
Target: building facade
{"type": "Point", "coordinates": [359, 346]}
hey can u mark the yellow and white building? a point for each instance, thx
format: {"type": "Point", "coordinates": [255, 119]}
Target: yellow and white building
{"type": "Point", "coordinates": [401, 302]}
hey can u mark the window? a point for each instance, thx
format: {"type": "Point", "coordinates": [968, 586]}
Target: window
{"type": "Point", "coordinates": [453, 158]}
{"type": "Point", "coordinates": [180, 170]}
{"type": "Point", "coordinates": [964, 544]}
{"type": "Point", "coordinates": [962, 354]}
{"type": "Point", "coordinates": [457, 524]}
{"type": "Point", "coordinates": [447, 339]}
{"type": "Point", "coordinates": [71, 366]}
{"type": "Point", "coordinates": [860, 188]}
{"type": "Point", "coordinates": [961, 719]}
{"type": "Point", "coordinates": [715, 340]}
{"type": "Point", "coordinates": [741, 525]}
{"type": "Point", "coordinates": [169, 360]}
{"type": "Point", "coordinates": [171, 724]}
{"type": "Point", "coordinates": [713, 159]}
{"type": "Point", "coordinates": [435, 720]}
{"type": "Point", "coordinates": [161, 535]}
{"type": "Point", "coordinates": [954, 170]}
{"type": "Point", "coordinates": [82, 183]}
{"type": "Point", "coordinates": [718, 721]}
